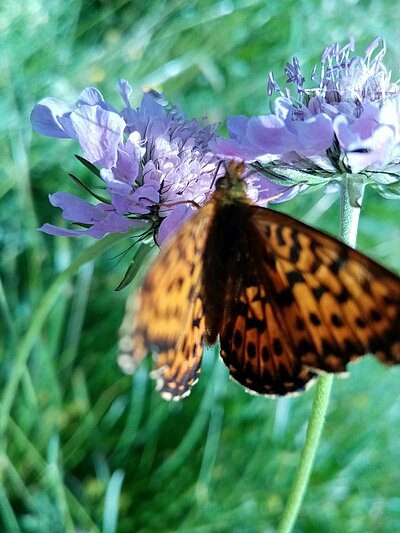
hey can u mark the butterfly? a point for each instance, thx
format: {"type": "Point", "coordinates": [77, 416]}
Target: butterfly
{"type": "Point", "coordinates": [286, 301]}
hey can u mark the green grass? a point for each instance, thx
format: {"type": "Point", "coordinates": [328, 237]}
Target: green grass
{"type": "Point", "coordinates": [85, 448]}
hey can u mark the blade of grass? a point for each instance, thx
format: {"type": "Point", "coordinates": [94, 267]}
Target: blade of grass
{"type": "Point", "coordinates": [39, 319]}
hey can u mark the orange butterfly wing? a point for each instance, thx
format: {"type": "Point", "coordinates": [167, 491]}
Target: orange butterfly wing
{"type": "Point", "coordinates": [286, 300]}
{"type": "Point", "coordinates": [307, 303]}
{"type": "Point", "coordinates": [168, 318]}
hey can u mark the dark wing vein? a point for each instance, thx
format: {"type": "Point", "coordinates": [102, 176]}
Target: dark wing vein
{"type": "Point", "coordinates": [348, 304]}
{"type": "Point", "coordinates": [256, 343]}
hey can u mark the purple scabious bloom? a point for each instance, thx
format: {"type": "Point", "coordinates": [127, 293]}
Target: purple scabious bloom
{"type": "Point", "coordinates": [155, 164]}
{"type": "Point", "coordinates": [149, 158]}
{"type": "Point", "coordinates": [345, 122]}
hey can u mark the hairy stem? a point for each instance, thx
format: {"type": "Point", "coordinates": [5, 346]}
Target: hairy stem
{"type": "Point", "coordinates": [350, 206]}
{"type": "Point", "coordinates": [351, 196]}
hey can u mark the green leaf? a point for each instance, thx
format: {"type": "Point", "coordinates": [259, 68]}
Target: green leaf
{"type": "Point", "coordinates": [86, 188]}
{"type": "Point", "coordinates": [88, 165]}
{"type": "Point", "coordinates": [138, 261]}
{"type": "Point", "coordinates": [390, 191]}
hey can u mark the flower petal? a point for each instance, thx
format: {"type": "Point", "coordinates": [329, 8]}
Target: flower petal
{"type": "Point", "coordinates": [173, 221]}
{"type": "Point", "coordinates": [372, 153]}
{"type": "Point", "coordinates": [315, 134]}
{"type": "Point", "coordinates": [113, 223]}
{"type": "Point", "coordinates": [64, 232]}
{"type": "Point", "coordinates": [237, 127]}
{"type": "Point", "coordinates": [264, 190]}
{"type": "Point", "coordinates": [74, 208]}
{"type": "Point", "coordinates": [138, 202]}
{"type": "Point", "coordinates": [99, 133]}
{"type": "Point", "coordinates": [270, 136]}
{"type": "Point", "coordinates": [91, 96]}
{"type": "Point", "coordinates": [125, 90]}
{"type": "Point", "coordinates": [45, 118]}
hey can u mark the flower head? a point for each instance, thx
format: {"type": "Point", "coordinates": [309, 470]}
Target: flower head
{"type": "Point", "coordinates": [150, 157]}
{"type": "Point", "coordinates": [345, 121]}
{"type": "Point", "coordinates": [156, 165]}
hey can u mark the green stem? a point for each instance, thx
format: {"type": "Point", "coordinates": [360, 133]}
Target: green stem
{"type": "Point", "coordinates": [350, 206]}
{"type": "Point", "coordinates": [351, 196]}
{"type": "Point", "coordinates": [314, 430]}
{"type": "Point", "coordinates": [38, 320]}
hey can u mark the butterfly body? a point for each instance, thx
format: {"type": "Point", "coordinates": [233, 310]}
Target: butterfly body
{"type": "Point", "coordinates": [226, 257]}
{"type": "Point", "coordinates": [286, 301]}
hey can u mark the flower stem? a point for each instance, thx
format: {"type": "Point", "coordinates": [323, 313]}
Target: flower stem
{"type": "Point", "coordinates": [314, 430]}
{"type": "Point", "coordinates": [350, 207]}
{"type": "Point", "coordinates": [351, 196]}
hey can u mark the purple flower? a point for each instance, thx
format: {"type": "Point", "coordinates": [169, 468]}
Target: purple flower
{"type": "Point", "coordinates": [155, 164]}
{"type": "Point", "coordinates": [346, 122]}
{"type": "Point", "coordinates": [149, 158]}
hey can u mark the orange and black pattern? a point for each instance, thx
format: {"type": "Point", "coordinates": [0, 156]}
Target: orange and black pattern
{"type": "Point", "coordinates": [286, 301]}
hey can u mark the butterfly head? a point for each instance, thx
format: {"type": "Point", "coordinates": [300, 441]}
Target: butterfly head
{"type": "Point", "coordinates": [232, 186]}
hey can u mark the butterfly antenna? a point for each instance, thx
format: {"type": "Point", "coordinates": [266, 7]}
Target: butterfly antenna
{"type": "Point", "coordinates": [222, 162]}
{"type": "Point", "coordinates": [257, 167]}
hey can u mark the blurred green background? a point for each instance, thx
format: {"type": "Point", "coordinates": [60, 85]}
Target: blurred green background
{"type": "Point", "coordinates": [83, 447]}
